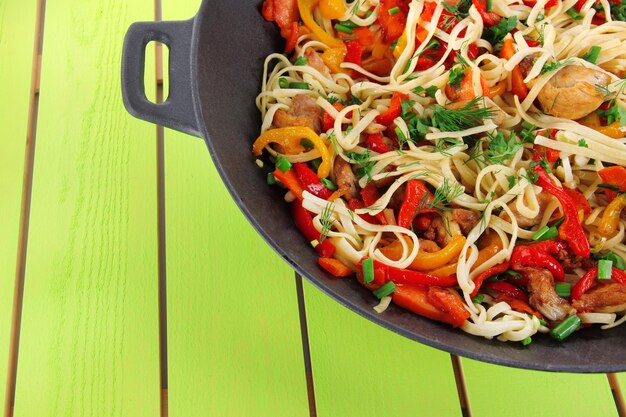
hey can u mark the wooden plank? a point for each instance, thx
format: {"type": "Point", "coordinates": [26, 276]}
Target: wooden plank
{"type": "Point", "coordinates": [17, 40]}
{"type": "Point", "coordinates": [361, 369]}
{"type": "Point", "coordinates": [234, 344]}
{"type": "Point", "coordinates": [89, 334]}
{"type": "Point", "coordinates": [507, 392]}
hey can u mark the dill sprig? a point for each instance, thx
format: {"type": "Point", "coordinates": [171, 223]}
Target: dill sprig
{"type": "Point", "coordinates": [498, 149]}
{"type": "Point", "coordinates": [553, 66]}
{"type": "Point", "coordinates": [466, 117]}
{"type": "Point", "coordinates": [611, 92]}
{"type": "Point", "coordinates": [326, 221]}
{"type": "Point", "coordinates": [445, 195]}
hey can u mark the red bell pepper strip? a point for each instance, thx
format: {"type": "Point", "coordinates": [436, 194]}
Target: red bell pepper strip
{"type": "Point", "coordinates": [449, 301]}
{"type": "Point", "coordinates": [304, 223]}
{"type": "Point", "coordinates": [376, 143]}
{"type": "Point", "coordinates": [587, 280]}
{"type": "Point", "coordinates": [363, 34]}
{"type": "Point", "coordinates": [289, 180]}
{"type": "Point", "coordinates": [489, 18]}
{"type": "Point", "coordinates": [579, 5]}
{"type": "Point", "coordinates": [571, 230]}
{"type": "Point", "coordinates": [549, 3]}
{"type": "Point", "coordinates": [335, 267]}
{"type": "Point", "coordinates": [328, 121]}
{"type": "Point", "coordinates": [284, 13]}
{"type": "Point", "coordinates": [410, 277]}
{"type": "Point", "coordinates": [416, 199]}
{"type": "Point", "coordinates": [615, 175]}
{"type": "Point", "coordinates": [310, 181]}
{"type": "Point", "coordinates": [355, 204]}
{"type": "Point", "coordinates": [494, 270]}
{"type": "Point", "coordinates": [415, 299]}
{"type": "Point", "coordinates": [539, 151]}
{"type": "Point", "coordinates": [392, 25]}
{"type": "Point", "coordinates": [508, 289]}
{"type": "Point", "coordinates": [380, 276]}
{"type": "Point", "coordinates": [394, 110]}
{"type": "Point", "coordinates": [354, 52]}
{"type": "Point", "coordinates": [293, 38]}
{"type": "Point", "coordinates": [370, 195]}
{"type": "Point", "coordinates": [533, 43]}
{"type": "Point", "coordinates": [579, 200]}
{"type": "Point", "coordinates": [538, 255]}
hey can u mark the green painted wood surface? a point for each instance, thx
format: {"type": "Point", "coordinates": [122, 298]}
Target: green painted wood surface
{"type": "Point", "coordinates": [17, 34]}
{"type": "Point", "coordinates": [234, 345]}
{"type": "Point", "coordinates": [621, 377]}
{"type": "Point", "coordinates": [89, 336]}
{"type": "Point", "coordinates": [361, 369]}
{"type": "Point", "coordinates": [496, 391]}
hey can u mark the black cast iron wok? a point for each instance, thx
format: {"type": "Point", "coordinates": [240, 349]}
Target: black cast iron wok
{"type": "Point", "coordinates": [215, 66]}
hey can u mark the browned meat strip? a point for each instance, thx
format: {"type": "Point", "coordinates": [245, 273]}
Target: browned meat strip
{"type": "Point", "coordinates": [467, 219]}
{"type": "Point", "coordinates": [607, 297]}
{"type": "Point", "coordinates": [543, 199]}
{"type": "Point", "coordinates": [542, 294]}
{"type": "Point", "coordinates": [303, 112]}
{"type": "Point", "coordinates": [314, 60]}
{"type": "Point", "coordinates": [428, 246]}
{"type": "Point", "coordinates": [526, 65]}
{"type": "Point", "coordinates": [397, 198]}
{"type": "Point", "coordinates": [571, 261]}
{"type": "Point", "coordinates": [442, 230]}
{"type": "Point", "coordinates": [345, 178]}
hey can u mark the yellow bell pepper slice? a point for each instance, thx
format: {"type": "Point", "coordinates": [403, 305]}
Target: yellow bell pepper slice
{"type": "Point", "coordinates": [425, 261]}
{"type": "Point", "coordinates": [610, 218]}
{"type": "Point", "coordinates": [593, 121]}
{"type": "Point", "coordinates": [333, 57]}
{"type": "Point", "coordinates": [490, 245]}
{"type": "Point", "coordinates": [332, 9]}
{"type": "Point", "coordinates": [289, 138]}
{"type": "Point", "coordinates": [306, 14]}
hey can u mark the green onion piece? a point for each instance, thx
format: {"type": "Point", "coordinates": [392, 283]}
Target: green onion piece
{"type": "Point", "coordinates": [393, 45]}
{"type": "Point", "coordinates": [514, 274]}
{"type": "Point", "coordinates": [489, 6]}
{"type": "Point", "coordinates": [307, 143]}
{"type": "Point", "coordinates": [271, 179]}
{"type": "Point", "coordinates": [316, 163]}
{"type": "Point", "coordinates": [609, 187]}
{"type": "Point", "coordinates": [283, 163]}
{"type": "Point", "coordinates": [574, 14]}
{"type": "Point", "coordinates": [545, 233]}
{"type": "Point", "coordinates": [563, 289]}
{"type": "Point", "coordinates": [368, 14]}
{"type": "Point", "coordinates": [349, 24]}
{"type": "Point", "coordinates": [618, 261]}
{"type": "Point", "coordinates": [478, 299]}
{"type": "Point", "coordinates": [343, 28]}
{"type": "Point", "coordinates": [604, 269]}
{"type": "Point", "coordinates": [300, 61]}
{"type": "Point", "coordinates": [299, 85]}
{"type": "Point", "coordinates": [368, 270]}
{"type": "Point", "coordinates": [394, 10]}
{"type": "Point", "coordinates": [328, 184]}
{"type": "Point", "coordinates": [527, 341]}
{"type": "Point", "coordinates": [558, 222]}
{"type": "Point", "coordinates": [314, 243]}
{"type": "Point", "coordinates": [283, 83]}
{"type": "Point", "coordinates": [385, 290]}
{"type": "Point", "coordinates": [592, 54]}
{"type": "Point", "coordinates": [566, 328]}
{"type": "Point", "coordinates": [543, 322]}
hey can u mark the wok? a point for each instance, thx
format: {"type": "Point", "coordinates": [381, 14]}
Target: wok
{"type": "Point", "coordinates": [216, 62]}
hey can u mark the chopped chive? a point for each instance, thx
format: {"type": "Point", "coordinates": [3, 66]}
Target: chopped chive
{"type": "Point", "coordinates": [368, 270]}
{"type": "Point", "coordinates": [563, 289]}
{"type": "Point", "coordinates": [300, 61]}
{"type": "Point", "coordinates": [478, 299]}
{"type": "Point", "coordinates": [514, 274]}
{"type": "Point", "coordinates": [489, 6]}
{"type": "Point", "coordinates": [385, 290]}
{"type": "Point", "coordinates": [609, 187]}
{"type": "Point", "coordinates": [605, 268]}
{"type": "Point", "coordinates": [527, 341]}
{"type": "Point", "coordinates": [283, 83]}
{"type": "Point", "coordinates": [299, 85]}
{"type": "Point", "coordinates": [592, 54]}
{"type": "Point", "coordinates": [566, 328]}
{"type": "Point", "coordinates": [349, 24]}
{"type": "Point", "coordinates": [307, 143]}
{"type": "Point", "coordinates": [574, 14]}
{"type": "Point", "coordinates": [328, 184]}
{"type": "Point", "coordinates": [543, 322]}
{"type": "Point", "coordinates": [283, 163]}
{"type": "Point", "coordinates": [393, 45]}
{"type": "Point", "coordinates": [314, 243]}
{"type": "Point", "coordinates": [558, 222]}
{"type": "Point", "coordinates": [271, 179]}
{"type": "Point", "coordinates": [316, 163]}
{"type": "Point", "coordinates": [618, 261]}
{"type": "Point", "coordinates": [545, 233]}
{"type": "Point", "coordinates": [394, 10]}
{"type": "Point", "coordinates": [343, 28]}
{"type": "Point", "coordinates": [368, 13]}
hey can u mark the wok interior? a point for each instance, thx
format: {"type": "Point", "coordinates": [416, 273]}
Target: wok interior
{"type": "Point", "coordinates": [231, 51]}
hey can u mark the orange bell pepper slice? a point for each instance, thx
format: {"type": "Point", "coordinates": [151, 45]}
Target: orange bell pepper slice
{"type": "Point", "coordinates": [425, 261]}
{"type": "Point", "coordinates": [335, 267]}
{"type": "Point", "coordinates": [517, 78]}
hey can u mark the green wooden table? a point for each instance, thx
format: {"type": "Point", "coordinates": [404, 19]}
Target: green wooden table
{"type": "Point", "coordinates": [122, 286]}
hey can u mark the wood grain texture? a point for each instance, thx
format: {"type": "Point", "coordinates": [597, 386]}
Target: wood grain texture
{"type": "Point", "coordinates": [234, 345]}
{"type": "Point", "coordinates": [361, 369]}
{"type": "Point", "coordinates": [507, 392]}
{"type": "Point", "coordinates": [89, 335]}
{"type": "Point", "coordinates": [17, 39]}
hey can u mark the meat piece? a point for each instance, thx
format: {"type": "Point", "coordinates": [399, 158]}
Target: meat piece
{"type": "Point", "coordinates": [314, 60]}
{"type": "Point", "coordinates": [542, 199]}
{"type": "Point", "coordinates": [607, 297]}
{"type": "Point", "coordinates": [526, 65]}
{"type": "Point", "coordinates": [571, 261]}
{"type": "Point", "coordinates": [442, 229]}
{"type": "Point", "coordinates": [303, 112]}
{"type": "Point", "coordinates": [571, 93]}
{"type": "Point", "coordinates": [345, 178]}
{"type": "Point", "coordinates": [397, 198]}
{"type": "Point", "coordinates": [542, 294]}
{"type": "Point", "coordinates": [283, 12]}
{"type": "Point", "coordinates": [428, 246]}
{"type": "Point", "coordinates": [466, 219]}
{"type": "Point", "coordinates": [386, 181]}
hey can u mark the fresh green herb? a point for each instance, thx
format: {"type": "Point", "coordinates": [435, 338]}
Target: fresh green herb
{"type": "Point", "coordinates": [582, 143]}
{"type": "Point", "coordinates": [571, 12]}
{"type": "Point", "coordinates": [614, 113]}
{"type": "Point", "coordinates": [592, 54]}
{"type": "Point", "coordinates": [349, 24]}
{"type": "Point", "coordinates": [553, 66]}
{"type": "Point", "coordinates": [527, 134]}
{"type": "Point", "coordinates": [489, 5]}
{"type": "Point", "coordinates": [316, 163]}
{"type": "Point", "coordinates": [300, 61]}
{"type": "Point", "coordinates": [466, 117]}
{"type": "Point", "coordinates": [332, 99]}
{"type": "Point", "coordinates": [495, 34]}
{"type": "Point", "coordinates": [460, 10]}
{"type": "Point", "coordinates": [283, 82]}
{"type": "Point", "coordinates": [368, 270]}
{"type": "Point", "coordinates": [545, 233]}
{"type": "Point", "coordinates": [563, 289]}
{"type": "Point", "coordinates": [329, 184]}
{"type": "Point", "coordinates": [566, 328]}
{"type": "Point", "coordinates": [445, 195]}
{"type": "Point", "coordinates": [271, 179]}
{"type": "Point", "coordinates": [299, 85]}
{"type": "Point", "coordinates": [443, 145]}
{"type": "Point", "coordinates": [609, 187]}
{"type": "Point", "coordinates": [355, 8]}
{"type": "Point", "coordinates": [558, 222]}
{"type": "Point", "coordinates": [402, 139]}
{"type": "Point", "coordinates": [527, 341]}
{"type": "Point", "coordinates": [514, 274]}
{"type": "Point", "coordinates": [605, 269]}
{"type": "Point", "coordinates": [368, 13]}
{"type": "Point", "coordinates": [511, 180]}
{"type": "Point", "coordinates": [478, 299]}
{"type": "Point", "coordinates": [456, 75]}
{"type": "Point", "coordinates": [543, 322]}
{"type": "Point", "coordinates": [531, 176]}
{"type": "Point", "coordinates": [387, 289]}
{"type": "Point", "coordinates": [283, 163]}
{"type": "Point", "coordinates": [618, 261]}
{"type": "Point", "coordinates": [498, 150]}
{"type": "Point", "coordinates": [306, 143]}
{"type": "Point", "coordinates": [363, 160]}
{"type": "Point", "coordinates": [430, 91]}
{"type": "Point", "coordinates": [393, 11]}
{"type": "Point", "coordinates": [344, 29]}
{"type": "Point", "coordinates": [618, 11]}
{"type": "Point", "coordinates": [326, 221]}
{"type": "Point", "coordinates": [352, 100]}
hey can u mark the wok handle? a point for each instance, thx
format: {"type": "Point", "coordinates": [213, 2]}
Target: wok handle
{"type": "Point", "coordinates": [178, 111]}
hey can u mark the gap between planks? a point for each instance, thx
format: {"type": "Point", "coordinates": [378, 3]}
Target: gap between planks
{"type": "Point", "coordinates": [618, 395]}
{"type": "Point", "coordinates": [306, 351]}
{"type": "Point", "coordinates": [27, 181]}
{"type": "Point", "coordinates": [461, 386]}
